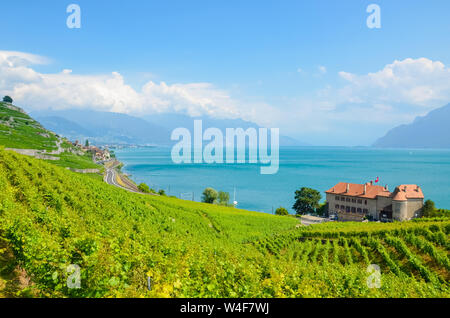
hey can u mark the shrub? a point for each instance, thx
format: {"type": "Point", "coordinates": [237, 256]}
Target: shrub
{"type": "Point", "coordinates": [144, 188]}
{"type": "Point", "coordinates": [281, 211]}
{"type": "Point", "coordinates": [209, 195]}
{"type": "Point", "coordinates": [224, 197]}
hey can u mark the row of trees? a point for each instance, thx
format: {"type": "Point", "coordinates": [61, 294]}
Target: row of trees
{"type": "Point", "coordinates": [146, 189]}
{"type": "Point", "coordinates": [212, 196]}
{"type": "Point", "coordinates": [307, 201]}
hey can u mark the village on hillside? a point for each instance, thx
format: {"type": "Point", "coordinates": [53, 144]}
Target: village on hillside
{"type": "Point", "coordinates": [98, 154]}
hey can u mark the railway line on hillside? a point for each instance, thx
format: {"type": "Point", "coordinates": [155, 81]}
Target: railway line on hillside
{"type": "Point", "coordinates": [113, 177]}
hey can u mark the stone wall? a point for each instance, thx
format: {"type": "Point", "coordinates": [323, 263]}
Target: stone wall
{"type": "Point", "coordinates": [33, 153]}
{"type": "Point", "coordinates": [414, 208]}
{"type": "Point", "coordinates": [347, 217]}
{"type": "Point", "coordinates": [84, 170]}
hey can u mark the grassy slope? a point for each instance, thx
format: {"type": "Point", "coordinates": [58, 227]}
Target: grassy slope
{"type": "Point", "coordinates": [75, 161]}
{"type": "Point", "coordinates": [51, 217]}
{"type": "Point", "coordinates": [18, 130]}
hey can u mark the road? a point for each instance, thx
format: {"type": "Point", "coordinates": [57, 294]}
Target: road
{"type": "Point", "coordinates": [111, 175]}
{"type": "Point", "coordinates": [111, 178]}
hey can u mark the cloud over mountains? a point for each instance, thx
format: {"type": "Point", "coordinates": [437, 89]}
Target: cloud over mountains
{"type": "Point", "coordinates": [379, 100]}
{"type": "Point", "coordinates": [109, 92]}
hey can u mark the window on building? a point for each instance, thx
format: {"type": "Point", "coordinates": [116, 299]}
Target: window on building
{"type": "Point", "coordinates": [336, 206]}
{"type": "Point", "coordinates": [365, 211]}
{"type": "Point", "coordinates": [337, 198]}
{"type": "Point", "coordinates": [359, 210]}
{"type": "Point", "coordinates": [353, 200]}
{"type": "Point", "coordinates": [347, 209]}
{"type": "Point", "coordinates": [353, 210]}
{"type": "Point", "coordinates": [359, 201]}
{"type": "Point", "coordinates": [342, 199]}
{"type": "Point", "coordinates": [348, 200]}
{"type": "Point", "coordinates": [342, 207]}
{"type": "Point", "coordinates": [365, 202]}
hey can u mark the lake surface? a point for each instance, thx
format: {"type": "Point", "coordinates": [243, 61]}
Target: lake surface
{"type": "Point", "coordinates": [314, 167]}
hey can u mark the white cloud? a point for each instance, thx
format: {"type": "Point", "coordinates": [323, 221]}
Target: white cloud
{"type": "Point", "coordinates": [17, 59]}
{"type": "Point", "coordinates": [109, 92]}
{"type": "Point", "coordinates": [419, 82]}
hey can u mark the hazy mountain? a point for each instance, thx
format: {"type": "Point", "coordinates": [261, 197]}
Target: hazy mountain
{"type": "Point", "coordinates": [103, 127]}
{"type": "Point", "coordinates": [429, 131]}
{"type": "Point", "coordinates": [106, 127]}
{"type": "Point", "coordinates": [172, 121]}
{"type": "Point", "coordinates": [63, 126]}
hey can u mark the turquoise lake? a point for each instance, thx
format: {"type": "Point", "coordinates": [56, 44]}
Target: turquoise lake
{"type": "Point", "coordinates": [314, 167]}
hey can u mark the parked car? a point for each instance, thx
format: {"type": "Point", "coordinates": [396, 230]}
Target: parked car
{"type": "Point", "coordinates": [333, 217]}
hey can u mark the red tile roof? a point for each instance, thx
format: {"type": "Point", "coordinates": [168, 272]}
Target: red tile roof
{"type": "Point", "coordinates": [357, 190]}
{"type": "Point", "coordinates": [401, 193]}
{"type": "Point", "coordinates": [407, 191]}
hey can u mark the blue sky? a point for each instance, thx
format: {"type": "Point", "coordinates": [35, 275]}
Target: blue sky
{"type": "Point", "coordinates": [271, 62]}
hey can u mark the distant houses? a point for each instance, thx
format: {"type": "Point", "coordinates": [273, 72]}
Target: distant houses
{"type": "Point", "coordinates": [354, 202]}
{"type": "Point", "coordinates": [97, 153]}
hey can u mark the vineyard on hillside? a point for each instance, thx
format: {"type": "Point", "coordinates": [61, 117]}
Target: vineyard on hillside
{"type": "Point", "coordinates": [20, 131]}
{"type": "Point", "coordinates": [417, 249]}
{"type": "Point", "coordinates": [52, 219]}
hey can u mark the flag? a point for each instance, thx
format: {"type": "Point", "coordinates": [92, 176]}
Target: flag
{"type": "Point", "coordinates": [377, 179]}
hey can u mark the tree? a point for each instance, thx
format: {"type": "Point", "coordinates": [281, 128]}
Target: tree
{"type": "Point", "coordinates": [306, 201]}
{"type": "Point", "coordinates": [144, 188]}
{"type": "Point", "coordinates": [224, 198]}
{"type": "Point", "coordinates": [7, 99]}
{"type": "Point", "coordinates": [281, 211]}
{"type": "Point", "coordinates": [429, 209]}
{"type": "Point", "coordinates": [322, 210]}
{"type": "Point", "coordinates": [162, 192]}
{"type": "Point", "coordinates": [87, 143]}
{"type": "Point", "coordinates": [209, 195]}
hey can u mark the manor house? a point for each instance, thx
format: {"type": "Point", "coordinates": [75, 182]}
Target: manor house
{"type": "Point", "coordinates": [351, 202]}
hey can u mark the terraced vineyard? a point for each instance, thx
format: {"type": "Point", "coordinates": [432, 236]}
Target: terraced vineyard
{"type": "Point", "coordinates": [417, 249]}
{"type": "Point", "coordinates": [20, 131]}
{"type": "Point", "coordinates": [52, 218]}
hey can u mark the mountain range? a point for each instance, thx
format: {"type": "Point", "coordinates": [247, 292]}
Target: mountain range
{"type": "Point", "coordinates": [115, 128]}
{"type": "Point", "coordinates": [429, 131]}
{"type": "Point", "coordinates": [102, 127]}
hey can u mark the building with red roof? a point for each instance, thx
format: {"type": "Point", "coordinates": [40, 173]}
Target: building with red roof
{"type": "Point", "coordinates": [352, 202]}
